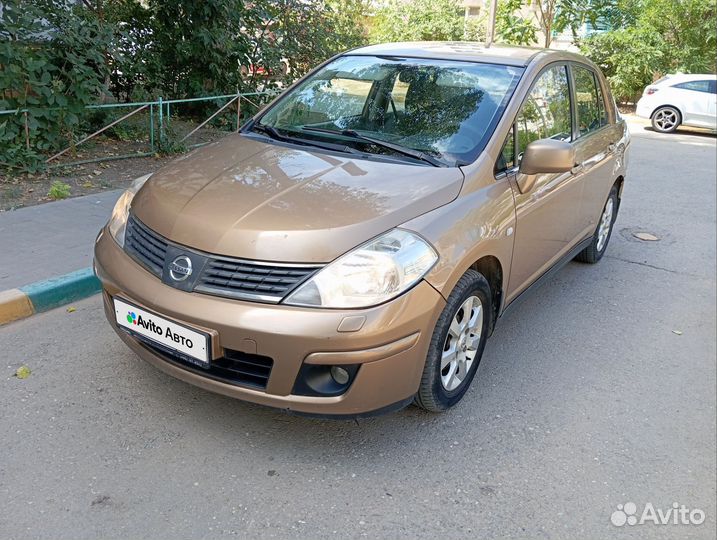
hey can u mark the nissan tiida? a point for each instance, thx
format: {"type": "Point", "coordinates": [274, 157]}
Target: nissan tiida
{"type": "Point", "coordinates": [352, 247]}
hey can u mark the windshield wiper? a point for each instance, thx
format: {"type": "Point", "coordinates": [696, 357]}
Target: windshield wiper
{"type": "Point", "coordinates": [268, 130]}
{"type": "Point", "coordinates": [411, 152]}
{"type": "Point", "coordinates": [272, 132]}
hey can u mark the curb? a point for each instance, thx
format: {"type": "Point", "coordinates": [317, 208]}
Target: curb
{"type": "Point", "coordinates": [43, 295]}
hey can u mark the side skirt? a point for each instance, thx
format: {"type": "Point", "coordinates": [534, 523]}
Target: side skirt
{"type": "Point", "coordinates": [565, 259]}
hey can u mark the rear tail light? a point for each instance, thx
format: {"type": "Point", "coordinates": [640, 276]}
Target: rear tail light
{"type": "Point", "coordinates": [650, 91]}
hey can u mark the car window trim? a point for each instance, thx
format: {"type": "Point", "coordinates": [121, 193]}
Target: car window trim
{"type": "Point", "coordinates": [545, 68]}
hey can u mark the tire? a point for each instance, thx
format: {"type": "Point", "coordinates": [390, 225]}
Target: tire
{"type": "Point", "coordinates": [436, 392]}
{"type": "Point", "coordinates": [666, 119]}
{"type": "Point", "coordinates": [601, 238]}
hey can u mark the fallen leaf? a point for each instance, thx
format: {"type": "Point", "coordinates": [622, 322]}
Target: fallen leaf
{"type": "Point", "coordinates": [678, 332]}
{"type": "Point", "coordinates": [71, 309]}
{"type": "Point", "coordinates": [97, 173]}
{"type": "Point", "coordinates": [23, 372]}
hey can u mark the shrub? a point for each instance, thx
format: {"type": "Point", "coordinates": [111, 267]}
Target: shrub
{"type": "Point", "coordinates": [419, 20]}
{"type": "Point", "coordinates": [629, 58]}
{"type": "Point", "coordinates": [656, 38]}
{"type": "Point", "coordinates": [52, 63]}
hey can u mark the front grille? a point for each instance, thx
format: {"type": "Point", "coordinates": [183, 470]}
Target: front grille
{"type": "Point", "coordinates": [146, 246]}
{"type": "Point", "coordinates": [235, 367]}
{"type": "Point", "coordinates": [245, 279]}
{"type": "Point", "coordinates": [219, 276]}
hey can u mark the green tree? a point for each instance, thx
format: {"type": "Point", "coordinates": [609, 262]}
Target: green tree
{"type": "Point", "coordinates": [188, 48]}
{"type": "Point", "coordinates": [688, 29]}
{"type": "Point", "coordinates": [628, 57]}
{"type": "Point", "coordinates": [656, 37]}
{"type": "Point", "coordinates": [420, 20]}
{"type": "Point", "coordinates": [511, 27]}
{"type": "Point", "coordinates": [518, 21]}
{"type": "Point", "coordinates": [52, 63]}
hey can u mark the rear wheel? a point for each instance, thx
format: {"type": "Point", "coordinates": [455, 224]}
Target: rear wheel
{"type": "Point", "coordinates": [594, 252]}
{"type": "Point", "coordinates": [457, 344]}
{"type": "Point", "coordinates": [666, 119]}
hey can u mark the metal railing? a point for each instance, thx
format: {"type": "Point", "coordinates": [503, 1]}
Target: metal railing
{"type": "Point", "coordinates": [161, 109]}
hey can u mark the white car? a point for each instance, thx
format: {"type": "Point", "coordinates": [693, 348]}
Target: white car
{"type": "Point", "coordinates": [675, 100]}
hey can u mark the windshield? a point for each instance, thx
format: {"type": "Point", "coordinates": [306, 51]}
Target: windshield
{"type": "Point", "coordinates": [440, 108]}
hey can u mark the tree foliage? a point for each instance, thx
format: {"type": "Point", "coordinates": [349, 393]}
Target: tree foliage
{"type": "Point", "coordinates": [629, 58]}
{"type": "Point", "coordinates": [511, 27]}
{"type": "Point", "coordinates": [420, 20]}
{"type": "Point", "coordinates": [656, 37]}
{"type": "Point", "coordinates": [188, 48]}
{"type": "Point", "coordinates": [52, 64]}
{"type": "Point", "coordinates": [58, 56]}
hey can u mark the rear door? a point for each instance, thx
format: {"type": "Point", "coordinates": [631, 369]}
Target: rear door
{"type": "Point", "coordinates": [595, 141]}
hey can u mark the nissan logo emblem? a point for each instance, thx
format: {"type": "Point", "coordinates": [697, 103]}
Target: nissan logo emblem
{"type": "Point", "coordinates": [180, 268]}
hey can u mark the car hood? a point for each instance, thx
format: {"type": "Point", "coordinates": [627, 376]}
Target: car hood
{"type": "Point", "coordinates": [242, 197]}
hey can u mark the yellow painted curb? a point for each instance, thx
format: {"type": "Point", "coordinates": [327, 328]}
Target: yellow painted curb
{"type": "Point", "coordinates": [14, 304]}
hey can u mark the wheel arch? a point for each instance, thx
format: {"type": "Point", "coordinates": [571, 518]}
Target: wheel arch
{"type": "Point", "coordinates": [491, 268]}
{"type": "Point", "coordinates": [620, 184]}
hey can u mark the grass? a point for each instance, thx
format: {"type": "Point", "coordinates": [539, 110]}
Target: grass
{"type": "Point", "coordinates": [59, 190]}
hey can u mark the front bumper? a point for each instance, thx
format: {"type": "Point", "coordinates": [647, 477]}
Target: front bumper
{"type": "Point", "coordinates": [390, 346]}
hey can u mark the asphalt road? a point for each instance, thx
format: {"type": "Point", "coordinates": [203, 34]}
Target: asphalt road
{"type": "Point", "coordinates": [598, 390]}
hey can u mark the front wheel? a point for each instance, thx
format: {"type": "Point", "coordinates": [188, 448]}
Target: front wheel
{"type": "Point", "coordinates": [457, 344]}
{"type": "Point", "coordinates": [666, 119]}
{"type": "Point", "coordinates": [594, 252]}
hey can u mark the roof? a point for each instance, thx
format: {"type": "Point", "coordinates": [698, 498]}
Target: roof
{"type": "Point", "coordinates": [455, 50]}
{"type": "Point", "coordinates": [683, 77]}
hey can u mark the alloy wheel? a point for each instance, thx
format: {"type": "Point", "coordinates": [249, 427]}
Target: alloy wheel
{"type": "Point", "coordinates": [665, 119]}
{"type": "Point", "coordinates": [605, 224]}
{"type": "Point", "coordinates": [461, 346]}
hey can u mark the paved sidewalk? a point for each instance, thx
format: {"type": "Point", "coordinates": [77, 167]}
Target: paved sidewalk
{"type": "Point", "coordinates": [52, 239]}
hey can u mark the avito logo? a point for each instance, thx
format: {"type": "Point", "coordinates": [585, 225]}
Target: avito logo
{"type": "Point", "coordinates": [149, 325]}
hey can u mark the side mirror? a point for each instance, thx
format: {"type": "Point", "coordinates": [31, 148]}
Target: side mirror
{"type": "Point", "coordinates": [545, 156]}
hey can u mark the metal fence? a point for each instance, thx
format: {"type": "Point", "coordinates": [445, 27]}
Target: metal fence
{"type": "Point", "coordinates": [161, 109]}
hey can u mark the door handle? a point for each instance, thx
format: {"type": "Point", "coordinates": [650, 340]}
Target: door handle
{"type": "Point", "coordinates": [577, 168]}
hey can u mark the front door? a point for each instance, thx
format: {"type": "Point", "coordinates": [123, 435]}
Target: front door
{"type": "Point", "coordinates": [547, 215]}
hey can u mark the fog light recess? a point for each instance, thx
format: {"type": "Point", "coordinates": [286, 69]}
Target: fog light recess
{"type": "Point", "coordinates": [318, 380]}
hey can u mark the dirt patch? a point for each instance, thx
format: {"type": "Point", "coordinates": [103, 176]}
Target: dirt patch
{"type": "Point", "coordinates": [32, 189]}
{"type": "Point", "coordinates": [20, 190]}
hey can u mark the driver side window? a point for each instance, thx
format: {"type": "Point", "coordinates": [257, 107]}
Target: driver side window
{"type": "Point", "coordinates": [546, 111]}
{"type": "Point", "coordinates": [545, 114]}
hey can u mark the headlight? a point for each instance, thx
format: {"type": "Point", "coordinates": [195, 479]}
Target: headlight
{"type": "Point", "coordinates": [370, 274]}
{"type": "Point", "coordinates": [120, 213]}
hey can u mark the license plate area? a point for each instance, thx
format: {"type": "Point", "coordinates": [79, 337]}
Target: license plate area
{"type": "Point", "coordinates": [177, 339]}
